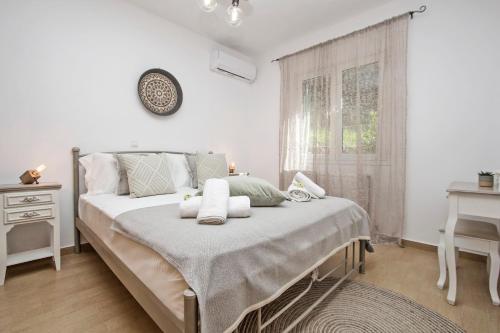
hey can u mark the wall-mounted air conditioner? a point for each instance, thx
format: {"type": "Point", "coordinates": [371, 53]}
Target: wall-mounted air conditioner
{"type": "Point", "coordinates": [227, 64]}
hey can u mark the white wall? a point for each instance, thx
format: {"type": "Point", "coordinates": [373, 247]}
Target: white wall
{"type": "Point", "coordinates": [69, 70]}
{"type": "Point", "coordinates": [453, 85]}
{"type": "Point", "coordinates": [68, 77]}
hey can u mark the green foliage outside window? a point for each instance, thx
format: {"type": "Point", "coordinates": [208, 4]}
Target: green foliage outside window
{"type": "Point", "coordinates": [359, 108]}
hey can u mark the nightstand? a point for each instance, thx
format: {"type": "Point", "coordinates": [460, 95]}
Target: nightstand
{"type": "Point", "coordinates": [239, 174]}
{"type": "Point", "coordinates": [25, 204]}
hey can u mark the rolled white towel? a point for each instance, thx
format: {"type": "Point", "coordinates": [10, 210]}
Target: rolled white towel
{"type": "Point", "coordinates": [213, 208]}
{"type": "Point", "coordinates": [237, 207]}
{"type": "Point", "coordinates": [309, 185]}
{"type": "Point", "coordinates": [298, 194]}
{"type": "Point", "coordinates": [189, 207]}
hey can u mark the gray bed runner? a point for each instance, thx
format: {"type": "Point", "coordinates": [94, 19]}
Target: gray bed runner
{"type": "Point", "coordinates": [243, 264]}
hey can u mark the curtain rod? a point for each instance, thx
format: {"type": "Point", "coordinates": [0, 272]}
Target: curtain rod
{"type": "Point", "coordinates": [421, 9]}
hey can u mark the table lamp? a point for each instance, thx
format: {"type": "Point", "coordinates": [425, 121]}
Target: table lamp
{"type": "Point", "coordinates": [232, 167]}
{"type": "Point", "coordinates": [32, 176]}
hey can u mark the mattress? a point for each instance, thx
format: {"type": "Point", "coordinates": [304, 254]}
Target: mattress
{"type": "Point", "coordinates": [162, 279]}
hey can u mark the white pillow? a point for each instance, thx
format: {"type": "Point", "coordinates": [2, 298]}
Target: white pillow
{"type": "Point", "coordinates": [179, 170]}
{"type": "Point", "coordinates": [101, 173]}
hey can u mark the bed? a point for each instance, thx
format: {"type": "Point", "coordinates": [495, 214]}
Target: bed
{"type": "Point", "coordinates": [155, 282]}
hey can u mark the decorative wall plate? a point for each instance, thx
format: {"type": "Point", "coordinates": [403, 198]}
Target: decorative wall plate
{"type": "Point", "coordinates": [160, 92]}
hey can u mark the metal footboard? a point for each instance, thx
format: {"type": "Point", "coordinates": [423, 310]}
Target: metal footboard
{"type": "Point", "coordinates": [191, 306]}
{"type": "Point", "coordinates": [314, 277]}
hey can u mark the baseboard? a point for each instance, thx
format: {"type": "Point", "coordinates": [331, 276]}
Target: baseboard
{"type": "Point", "coordinates": [433, 248]}
{"type": "Point", "coordinates": [71, 249]}
{"type": "Point", "coordinates": [419, 245]}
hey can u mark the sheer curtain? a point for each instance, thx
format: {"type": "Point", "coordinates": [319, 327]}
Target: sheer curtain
{"type": "Point", "coordinates": [343, 120]}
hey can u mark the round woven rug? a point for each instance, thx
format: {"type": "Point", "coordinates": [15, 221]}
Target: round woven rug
{"type": "Point", "coordinates": [353, 307]}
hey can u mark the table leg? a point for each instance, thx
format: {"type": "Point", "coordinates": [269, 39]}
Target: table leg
{"type": "Point", "coordinates": [442, 261]}
{"type": "Point", "coordinates": [494, 271]}
{"type": "Point", "coordinates": [3, 255]}
{"type": "Point", "coordinates": [449, 236]}
{"type": "Point", "coordinates": [4, 230]}
{"type": "Point", "coordinates": [55, 243]}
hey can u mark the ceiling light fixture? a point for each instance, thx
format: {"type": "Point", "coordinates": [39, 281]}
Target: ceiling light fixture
{"type": "Point", "coordinates": [234, 13]}
{"type": "Point", "coordinates": [207, 5]}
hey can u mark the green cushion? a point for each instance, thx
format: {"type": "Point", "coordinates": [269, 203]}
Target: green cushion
{"type": "Point", "coordinates": [210, 166]}
{"type": "Point", "coordinates": [260, 192]}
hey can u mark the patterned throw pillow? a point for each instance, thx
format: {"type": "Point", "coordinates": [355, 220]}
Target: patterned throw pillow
{"type": "Point", "coordinates": [123, 182]}
{"type": "Point", "coordinates": [147, 175]}
{"type": "Point", "coordinates": [210, 166]}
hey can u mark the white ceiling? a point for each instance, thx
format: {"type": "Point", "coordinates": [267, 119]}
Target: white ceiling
{"type": "Point", "coordinates": [266, 23]}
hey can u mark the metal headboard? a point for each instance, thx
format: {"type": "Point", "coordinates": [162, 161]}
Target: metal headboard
{"type": "Point", "coordinates": [76, 180]}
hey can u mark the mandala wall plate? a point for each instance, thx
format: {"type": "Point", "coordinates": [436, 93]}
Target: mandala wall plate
{"type": "Point", "coordinates": [160, 92]}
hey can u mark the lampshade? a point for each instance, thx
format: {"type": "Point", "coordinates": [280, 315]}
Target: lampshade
{"type": "Point", "coordinates": [40, 168]}
{"type": "Point", "coordinates": [207, 5]}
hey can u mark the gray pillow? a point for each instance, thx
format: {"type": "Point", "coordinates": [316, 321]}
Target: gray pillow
{"type": "Point", "coordinates": [260, 191]}
{"type": "Point", "coordinates": [123, 188]}
{"type": "Point", "coordinates": [191, 158]}
{"type": "Point", "coordinates": [210, 166]}
{"type": "Point", "coordinates": [147, 175]}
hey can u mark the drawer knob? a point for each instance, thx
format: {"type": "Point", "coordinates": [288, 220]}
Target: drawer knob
{"type": "Point", "coordinates": [30, 214]}
{"type": "Point", "coordinates": [31, 199]}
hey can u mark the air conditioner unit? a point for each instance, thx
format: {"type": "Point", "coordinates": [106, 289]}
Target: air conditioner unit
{"type": "Point", "coordinates": [227, 64]}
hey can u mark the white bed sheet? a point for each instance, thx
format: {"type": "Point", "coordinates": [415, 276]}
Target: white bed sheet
{"type": "Point", "coordinates": [113, 205]}
{"type": "Point", "coordinates": [97, 212]}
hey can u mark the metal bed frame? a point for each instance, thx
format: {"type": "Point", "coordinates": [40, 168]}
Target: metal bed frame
{"type": "Point", "coordinates": [153, 306]}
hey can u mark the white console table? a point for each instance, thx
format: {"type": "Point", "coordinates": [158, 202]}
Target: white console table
{"type": "Point", "coordinates": [466, 199]}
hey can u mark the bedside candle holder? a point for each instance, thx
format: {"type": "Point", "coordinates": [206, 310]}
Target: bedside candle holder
{"type": "Point", "coordinates": [232, 167]}
{"type": "Point", "coordinates": [32, 176]}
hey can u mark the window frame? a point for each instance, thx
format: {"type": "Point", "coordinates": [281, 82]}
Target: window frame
{"type": "Point", "coordinates": [336, 140]}
{"type": "Point", "coordinates": [351, 157]}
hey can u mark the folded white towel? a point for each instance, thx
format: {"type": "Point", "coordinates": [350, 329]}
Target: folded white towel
{"type": "Point", "coordinates": [213, 208]}
{"type": "Point", "coordinates": [237, 207]}
{"type": "Point", "coordinates": [297, 193]}
{"type": "Point", "coordinates": [309, 185]}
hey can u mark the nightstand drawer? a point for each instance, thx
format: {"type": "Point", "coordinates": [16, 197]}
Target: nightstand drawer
{"type": "Point", "coordinates": [27, 199]}
{"type": "Point", "coordinates": [17, 215]}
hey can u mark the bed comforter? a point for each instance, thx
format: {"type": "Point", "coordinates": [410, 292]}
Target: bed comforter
{"type": "Point", "coordinates": [245, 263]}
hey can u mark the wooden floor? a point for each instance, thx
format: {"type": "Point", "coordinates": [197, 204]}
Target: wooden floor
{"type": "Point", "coordinates": [414, 272]}
{"type": "Point", "coordinates": [85, 296]}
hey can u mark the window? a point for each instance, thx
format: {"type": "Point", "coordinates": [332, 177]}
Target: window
{"type": "Point", "coordinates": [353, 129]}
{"type": "Point", "coordinates": [359, 108]}
{"type": "Point", "coordinates": [316, 112]}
